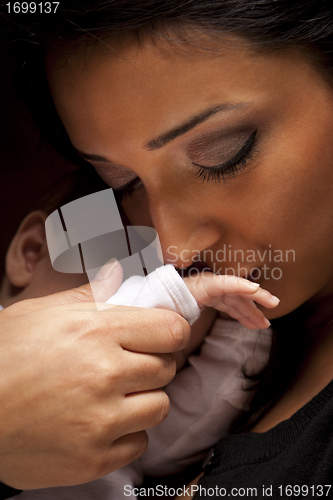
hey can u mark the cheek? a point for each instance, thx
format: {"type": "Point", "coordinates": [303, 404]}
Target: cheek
{"type": "Point", "coordinates": [53, 282]}
{"type": "Point", "coordinates": [299, 192]}
{"type": "Point", "coordinates": [137, 209]}
{"type": "Point", "coordinates": [66, 282]}
{"type": "Point", "coordinates": [291, 209]}
{"type": "Point", "coordinates": [285, 196]}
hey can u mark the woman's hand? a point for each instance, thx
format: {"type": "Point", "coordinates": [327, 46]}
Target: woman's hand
{"type": "Point", "coordinates": [79, 386]}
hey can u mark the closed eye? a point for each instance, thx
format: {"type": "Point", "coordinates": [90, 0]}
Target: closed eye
{"type": "Point", "coordinates": [231, 167]}
{"type": "Point", "coordinates": [128, 189]}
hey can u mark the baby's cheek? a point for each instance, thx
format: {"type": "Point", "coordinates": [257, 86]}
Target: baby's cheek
{"type": "Point", "coordinates": [58, 282]}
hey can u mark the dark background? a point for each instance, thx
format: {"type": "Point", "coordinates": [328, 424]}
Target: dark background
{"type": "Point", "coordinates": [28, 164]}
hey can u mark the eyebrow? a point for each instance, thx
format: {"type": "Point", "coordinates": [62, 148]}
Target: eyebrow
{"type": "Point", "coordinates": [172, 134]}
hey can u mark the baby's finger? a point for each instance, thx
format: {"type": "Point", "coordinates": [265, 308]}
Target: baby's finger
{"type": "Point", "coordinates": [234, 313]}
{"type": "Point", "coordinates": [207, 286]}
{"type": "Point", "coordinates": [248, 324]}
{"type": "Point", "coordinates": [263, 297]}
{"type": "Point", "coordinates": [247, 309]}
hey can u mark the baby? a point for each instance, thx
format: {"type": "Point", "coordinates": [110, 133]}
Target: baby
{"type": "Point", "coordinates": [205, 396]}
{"type": "Point", "coordinates": [189, 296]}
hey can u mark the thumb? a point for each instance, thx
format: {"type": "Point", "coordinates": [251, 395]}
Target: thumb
{"type": "Point", "coordinates": [100, 289]}
{"type": "Point", "coordinates": [105, 283]}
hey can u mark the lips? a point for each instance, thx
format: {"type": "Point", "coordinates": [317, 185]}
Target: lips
{"type": "Point", "coordinates": [198, 267]}
{"type": "Point", "coordinates": [253, 274]}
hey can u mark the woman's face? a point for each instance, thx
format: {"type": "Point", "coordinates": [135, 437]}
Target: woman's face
{"type": "Point", "coordinates": [228, 154]}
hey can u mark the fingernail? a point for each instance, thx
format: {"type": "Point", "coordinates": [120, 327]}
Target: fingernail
{"type": "Point", "coordinates": [252, 285]}
{"type": "Point", "coordinates": [267, 322]}
{"type": "Point", "coordinates": [275, 299]}
{"type": "Point", "coordinates": [107, 269]}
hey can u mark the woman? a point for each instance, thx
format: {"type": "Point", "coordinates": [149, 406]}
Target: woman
{"type": "Point", "coordinates": [213, 124]}
{"type": "Point", "coordinates": [31, 453]}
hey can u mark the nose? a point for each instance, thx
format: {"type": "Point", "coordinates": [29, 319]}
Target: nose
{"type": "Point", "coordinates": [183, 232]}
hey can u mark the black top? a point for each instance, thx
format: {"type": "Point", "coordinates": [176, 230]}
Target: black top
{"type": "Point", "coordinates": [7, 491]}
{"type": "Point", "coordinates": [292, 460]}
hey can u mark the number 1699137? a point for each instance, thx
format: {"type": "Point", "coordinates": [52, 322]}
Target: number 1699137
{"type": "Point", "coordinates": [318, 490]}
{"type": "Point", "coordinates": [32, 7]}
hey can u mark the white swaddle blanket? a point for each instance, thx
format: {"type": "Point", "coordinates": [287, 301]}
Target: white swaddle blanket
{"type": "Point", "coordinates": [162, 288]}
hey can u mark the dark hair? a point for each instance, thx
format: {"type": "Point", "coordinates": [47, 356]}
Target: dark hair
{"type": "Point", "coordinates": [70, 187]}
{"type": "Point", "coordinates": [265, 24]}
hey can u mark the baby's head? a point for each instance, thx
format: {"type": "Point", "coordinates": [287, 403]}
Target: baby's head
{"type": "Point", "coordinates": [28, 269]}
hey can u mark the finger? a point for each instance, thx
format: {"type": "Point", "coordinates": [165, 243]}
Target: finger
{"type": "Point", "coordinates": [247, 309]}
{"type": "Point", "coordinates": [127, 448]}
{"type": "Point", "coordinates": [106, 283]}
{"type": "Point", "coordinates": [144, 330]}
{"type": "Point", "coordinates": [244, 311]}
{"type": "Point", "coordinates": [263, 297]}
{"type": "Point", "coordinates": [147, 372]}
{"type": "Point", "coordinates": [234, 313]}
{"type": "Point", "coordinates": [249, 324]}
{"type": "Point", "coordinates": [100, 289]}
{"type": "Point", "coordinates": [207, 286]}
{"type": "Point", "coordinates": [119, 453]}
{"type": "Point", "coordinates": [137, 329]}
{"type": "Point", "coordinates": [141, 411]}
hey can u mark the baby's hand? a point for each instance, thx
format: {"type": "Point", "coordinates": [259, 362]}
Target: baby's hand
{"type": "Point", "coordinates": [232, 295]}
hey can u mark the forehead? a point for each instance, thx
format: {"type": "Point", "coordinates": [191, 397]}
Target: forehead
{"type": "Point", "coordinates": [139, 91]}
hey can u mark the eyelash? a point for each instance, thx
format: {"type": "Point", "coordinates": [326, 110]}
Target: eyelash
{"type": "Point", "coordinates": [231, 167]}
{"type": "Point", "coordinates": [216, 173]}
{"type": "Point", "coordinates": [128, 189]}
